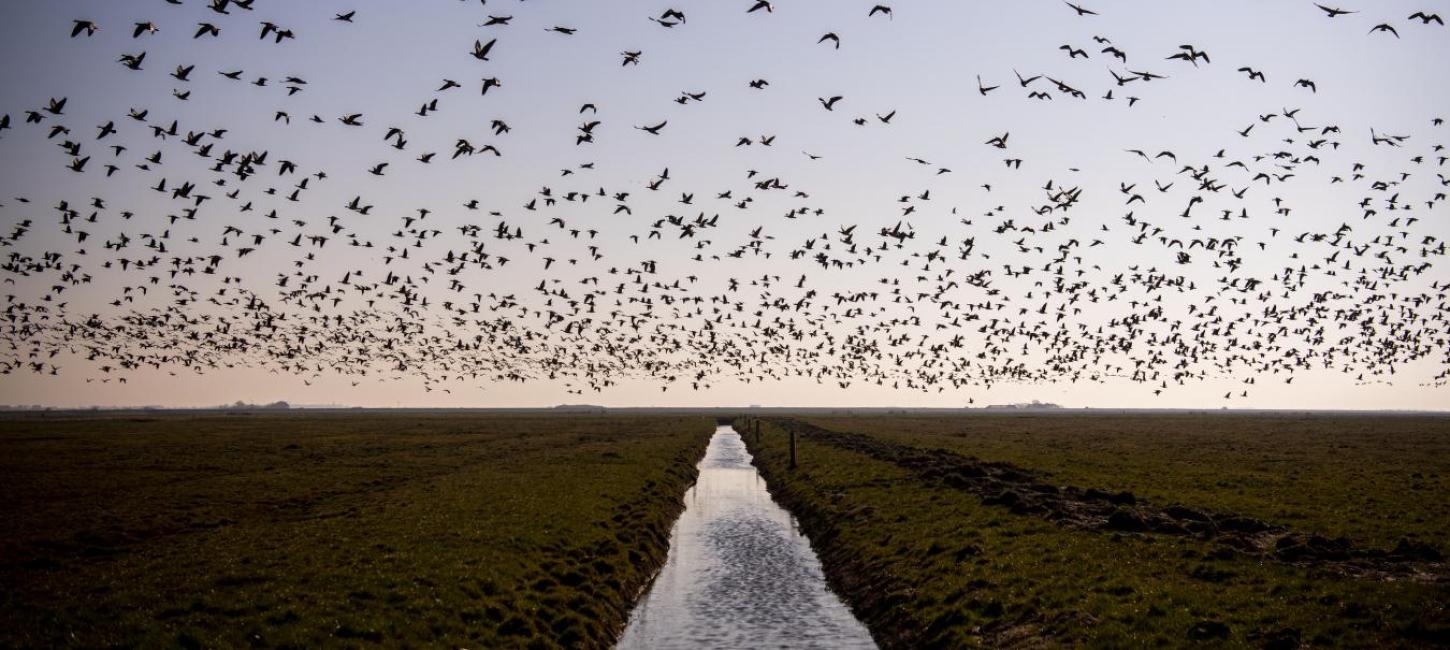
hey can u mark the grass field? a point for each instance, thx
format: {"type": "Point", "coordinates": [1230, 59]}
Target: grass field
{"type": "Point", "coordinates": [488, 531]}
{"type": "Point", "coordinates": [292, 530]}
{"type": "Point", "coordinates": [1372, 478]}
{"type": "Point", "coordinates": [925, 563]}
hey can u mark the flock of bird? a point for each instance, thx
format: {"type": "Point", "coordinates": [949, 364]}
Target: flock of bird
{"type": "Point", "coordinates": [243, 268]}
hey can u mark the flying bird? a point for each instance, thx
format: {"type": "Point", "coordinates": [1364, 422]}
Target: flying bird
{"type": "Point", "coordinates": [653, 130]}
{"type": "Point", "coordinates": [90, 28]}
{"type": "Point", "coordinates": [481, 49]}
{"type": "Point", "coordinates": [1426, 19]}
{"type": "Point", "coordinates": [1384, 27]}
{"type": "Point", "coordinates": [1332, 12]}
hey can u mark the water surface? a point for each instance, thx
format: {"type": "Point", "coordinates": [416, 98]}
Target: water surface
{"type": "Point", "coordinates": [739, 572]}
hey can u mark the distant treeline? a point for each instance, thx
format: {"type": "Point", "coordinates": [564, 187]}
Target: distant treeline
{"type": "Point", "coordinates": [278, 405]}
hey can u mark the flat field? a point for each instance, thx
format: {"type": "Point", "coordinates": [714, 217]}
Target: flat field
{"type": "Point", "coordinates": [306, 530]}
{"type": "Point", "coordinates": [1126, 530]}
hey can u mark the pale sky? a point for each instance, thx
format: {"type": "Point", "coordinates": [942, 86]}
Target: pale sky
{"type": "Point", "coordinates": [922, 62]}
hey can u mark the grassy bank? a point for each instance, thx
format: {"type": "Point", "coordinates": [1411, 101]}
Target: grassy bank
{"type": "Point", "coordinates": [306, 530]}
{"type": "Point", "coordinates": [925, 563]}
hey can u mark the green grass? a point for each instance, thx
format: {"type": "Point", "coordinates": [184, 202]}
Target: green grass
{"type": "Point", "coordinates": [1375, 479]}
{"type": "Point", "coordinates": [306, 530]}
{"type": "Point", "coordinates": [926, 565]}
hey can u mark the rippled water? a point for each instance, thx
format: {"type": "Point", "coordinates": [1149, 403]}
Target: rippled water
{"type": "Point", "coordinates": [739, 573]}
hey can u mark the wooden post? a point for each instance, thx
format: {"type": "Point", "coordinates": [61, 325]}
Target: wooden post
{"type": "Point", "coordinates": [792, 448]}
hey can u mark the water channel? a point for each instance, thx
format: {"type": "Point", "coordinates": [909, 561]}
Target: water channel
{"type": "Point", "coordinates": [739, 574]}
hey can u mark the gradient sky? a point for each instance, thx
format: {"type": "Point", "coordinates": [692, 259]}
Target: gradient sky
{"type": "Point", "coordinates": [922, 63]}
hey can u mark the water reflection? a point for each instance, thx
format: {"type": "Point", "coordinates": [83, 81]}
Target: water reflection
{"type": "Point", "coordinates": [739, 573]}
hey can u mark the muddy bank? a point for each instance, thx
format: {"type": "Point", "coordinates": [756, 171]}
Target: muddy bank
{"type": "Point", "coordinates": [1023, 492]}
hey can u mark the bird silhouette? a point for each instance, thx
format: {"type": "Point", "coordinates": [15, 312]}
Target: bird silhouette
{"type": "Point", "coordinates": [1426, 19]}
{"type": "Point", "coordinates": [1332, 12]}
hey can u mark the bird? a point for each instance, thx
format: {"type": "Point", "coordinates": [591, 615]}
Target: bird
{"type": "Point", "coordinates": [345, 17]}
{"type": "Point", "coordinates": [880, 9]}
{"type": "Point", "coordinates": [1426, 19]}
{"type": "Point", "coordinates": [481, 49]}
{"type": "Point", "coordinates": [1191, 54]}
{"type": "Point", "coordinates": [1332, 12]}
{"type": "Point", "coordinates": [1080, 11]}
{"type": "Point", "coordinates": [829, 104]}
{"type": "Point", "coordinates": [830, 36]}
{"type": "Point", "coordinates": [132, 61]}
{"type": "Point", "coordinates": [1384, 27]}
{"type": "Point", "coordinates": [670, 18]}
{"type": "Point", "coordinates": [89, 27]}
{"type": "Point", "coordinates": [653, 130]}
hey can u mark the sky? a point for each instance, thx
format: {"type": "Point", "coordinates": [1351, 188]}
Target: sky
{"type": "Point", "coordinates": [923, 62]}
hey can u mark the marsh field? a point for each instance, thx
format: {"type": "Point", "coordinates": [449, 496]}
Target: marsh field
{"type": "Point", "coordinates": [438, 529]}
